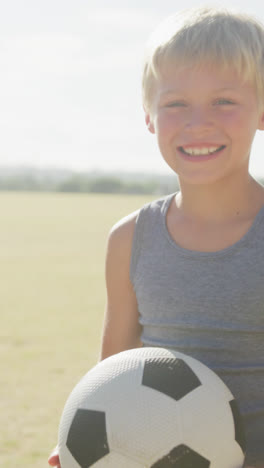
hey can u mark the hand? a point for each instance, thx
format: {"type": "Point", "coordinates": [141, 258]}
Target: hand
{"type": "Point", "coordinates": [54, 458]}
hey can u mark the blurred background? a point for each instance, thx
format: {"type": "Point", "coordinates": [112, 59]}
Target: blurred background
{"type": "Point", "coordinates": [70, 83]}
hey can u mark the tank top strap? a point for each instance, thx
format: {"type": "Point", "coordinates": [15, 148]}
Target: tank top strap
{"type": "Point", "coordinates": [151, 216]}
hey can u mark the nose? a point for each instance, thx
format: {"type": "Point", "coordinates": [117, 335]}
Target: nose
{"type": "Point", "coordinates": [199, 119]}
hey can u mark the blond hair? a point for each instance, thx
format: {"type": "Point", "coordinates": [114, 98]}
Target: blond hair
{"type": "Point", "coordinates": [206, 35]}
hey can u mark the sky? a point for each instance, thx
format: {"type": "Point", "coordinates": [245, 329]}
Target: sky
{"type": "Point", "coordinates": [70, 94]}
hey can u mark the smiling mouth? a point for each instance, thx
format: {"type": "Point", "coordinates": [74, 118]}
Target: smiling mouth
{"type": "Point", "coordinates": [201, 151]}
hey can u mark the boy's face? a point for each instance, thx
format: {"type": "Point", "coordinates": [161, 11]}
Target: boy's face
{"type": "Point", "coordinates": [205, 120]}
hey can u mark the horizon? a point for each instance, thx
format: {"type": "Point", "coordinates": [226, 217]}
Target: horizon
{"type": "Point", "coordinates": [71, 93]}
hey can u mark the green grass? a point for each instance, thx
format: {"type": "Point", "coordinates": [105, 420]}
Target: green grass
{"type": "Point", "coordinates": [52, 298]}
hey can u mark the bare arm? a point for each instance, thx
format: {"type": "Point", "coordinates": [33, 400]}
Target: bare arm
{"type": "Point", "coordinates": [121, 329]}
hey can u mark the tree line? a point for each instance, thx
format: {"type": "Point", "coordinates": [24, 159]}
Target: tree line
{"type": "Point", "coordinates": [79, 183]}
{"type": "Point", "coordinates": [71, 182]}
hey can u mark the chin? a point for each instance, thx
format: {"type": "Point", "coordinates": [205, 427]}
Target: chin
{"type": "Point", "coordinates": [199, 176]}
{"type": "Point", "coordinates": [201, 180]}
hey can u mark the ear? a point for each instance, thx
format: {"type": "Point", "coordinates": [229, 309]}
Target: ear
{"type": "Point", "coordinates": [261, 121]}
{"type": "Point", "coordinates": [149, 122]}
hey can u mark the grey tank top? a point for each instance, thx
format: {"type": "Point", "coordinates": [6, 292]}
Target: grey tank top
{"type": "Point", "coordinates": [209, 305]}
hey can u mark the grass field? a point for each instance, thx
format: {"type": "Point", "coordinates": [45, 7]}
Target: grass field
{"type": "Point", "coordinates": [52, 297]}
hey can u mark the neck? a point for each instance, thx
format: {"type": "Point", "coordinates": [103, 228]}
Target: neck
{"type": "Point", "coordinates": [221, 202]}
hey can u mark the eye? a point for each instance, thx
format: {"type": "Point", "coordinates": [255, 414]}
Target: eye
{"type": "Point", "coordinates": [224, 102]}
{"type": "Point", "coordinates": [176, 104]}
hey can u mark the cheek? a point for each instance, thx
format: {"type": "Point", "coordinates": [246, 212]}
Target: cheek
{"type": "Point", "coordinates": [168, 124]}
{"type": "Point", "coordinates": [244, 122]}
{"type": "Point", "coordinates": [231, 120]}
{"type": "Point", "coordinates": [238, 130]}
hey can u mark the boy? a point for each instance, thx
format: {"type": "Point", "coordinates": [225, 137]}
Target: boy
{"type": "Point", "coordinates": [186, 272]}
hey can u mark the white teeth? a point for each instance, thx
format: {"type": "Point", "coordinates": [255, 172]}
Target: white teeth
{"type": "Point", "coordinates": [198, 151]}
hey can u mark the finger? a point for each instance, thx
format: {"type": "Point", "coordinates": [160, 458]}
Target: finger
{"type": "Point", "coordinates": [54, 459]}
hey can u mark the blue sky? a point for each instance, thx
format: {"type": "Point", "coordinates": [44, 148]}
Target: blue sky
{"type": "Point", "coordinates": [70, 83]}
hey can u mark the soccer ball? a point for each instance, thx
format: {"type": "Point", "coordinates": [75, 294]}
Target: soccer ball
{"type": "Point", "coordinates": [151, 408]}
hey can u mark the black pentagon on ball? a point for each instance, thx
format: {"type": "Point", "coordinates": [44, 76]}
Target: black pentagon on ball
{"type": "Point", "coordinates": [239, 427]}
{"type": "Point", "coordinates": [171, 376]}
{"type": "Point", "coordinates": [87, 438]}
{"type": "Point", "coordinates": [182, 457]}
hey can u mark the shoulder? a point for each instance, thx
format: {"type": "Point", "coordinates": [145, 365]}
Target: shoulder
{"type": "Point", "coordinates": [122, 233]}
{"type": "Point", "coordinates": [124, 229]}
{"type": "Point", "coordinates": [120, 240]}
